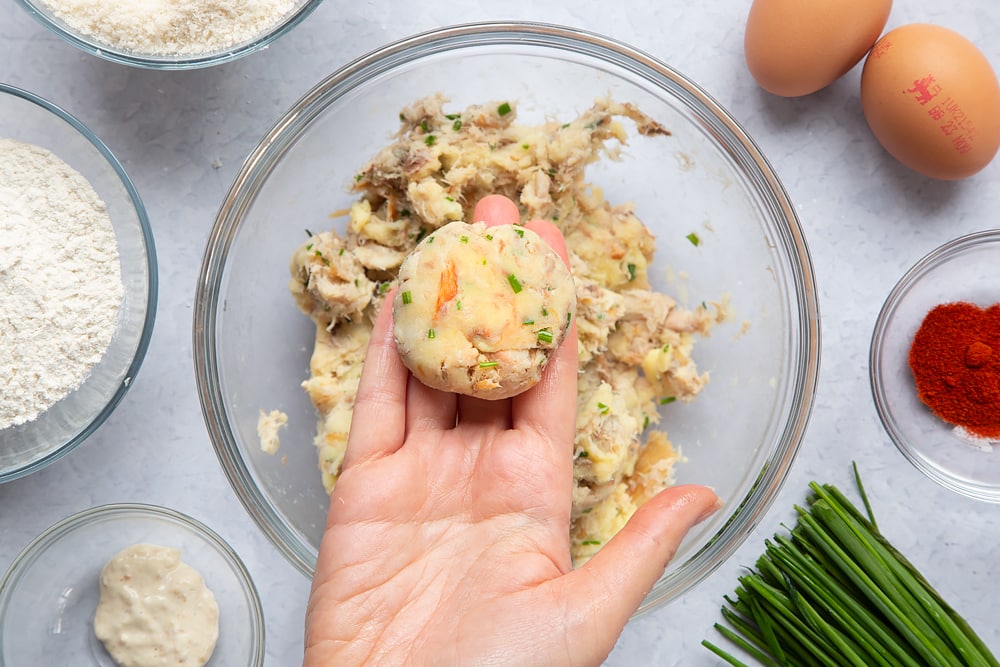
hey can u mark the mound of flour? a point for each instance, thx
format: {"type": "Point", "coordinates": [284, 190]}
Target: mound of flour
{"type": "Point", "coordinates": [172, 27]}
{"type": "Point", "coordinates": [60, 281]}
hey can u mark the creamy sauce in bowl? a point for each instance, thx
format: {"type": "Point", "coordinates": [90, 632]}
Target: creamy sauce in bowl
{"type": "Point", "coordinates": [155, 610]}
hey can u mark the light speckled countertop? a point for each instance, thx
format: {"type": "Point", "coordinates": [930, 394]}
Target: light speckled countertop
{"type": "Point", "coordinates": [182, 136]}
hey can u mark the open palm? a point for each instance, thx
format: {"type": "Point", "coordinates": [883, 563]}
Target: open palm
{"type": "Point", "coordinates": [447, 539]}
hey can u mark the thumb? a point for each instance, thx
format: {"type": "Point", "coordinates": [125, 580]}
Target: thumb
{"type": "Point", "coordinates": [607, 590]}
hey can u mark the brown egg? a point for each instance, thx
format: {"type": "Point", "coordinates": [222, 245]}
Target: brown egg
{"type": "Point", "coordinates": [796, 47]}
{"type": "Point", "coordinates": [932, 100]}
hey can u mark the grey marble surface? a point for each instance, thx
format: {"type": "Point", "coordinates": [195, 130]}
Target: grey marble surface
{"type": "Point", "coordinates": [182, 136]}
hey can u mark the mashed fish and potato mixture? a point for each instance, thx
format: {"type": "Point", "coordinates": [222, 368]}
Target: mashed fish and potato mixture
{"type": "Point", "coordinates": [635, 344]}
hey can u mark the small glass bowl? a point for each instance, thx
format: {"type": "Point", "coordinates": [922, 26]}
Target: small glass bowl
{"type": "Point", "coordinates": [49, 594]}
{"type": "Point", "coordinates": [965, 269]}
{"type": "Point", "coordinates": [94, 46]}
{"type": "Point", "coordinates": [30, 446]}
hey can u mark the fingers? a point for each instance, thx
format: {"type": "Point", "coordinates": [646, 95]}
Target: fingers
{"type": "Point", "coordinates": [552, 236]}
{"type": "Point", "coordinates": [428, 409]}
{"type": "Point", "coordinates": [378, 423]}
{"type": "Point", "coordinates": [499, 210]}
{"type": "Point", "coordinates": [549, 408]}
{"type": "Point", "coordinates": [496, 210]}
{"type": "Point", "coordinates": [612, 585]}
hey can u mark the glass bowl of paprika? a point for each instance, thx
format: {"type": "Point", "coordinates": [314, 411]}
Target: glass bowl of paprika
{"type": "Point", "coordinates": [935, 365]}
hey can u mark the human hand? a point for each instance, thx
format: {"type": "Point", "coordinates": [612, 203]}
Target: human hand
{"type": "Point", "coordinates": [447, 539]}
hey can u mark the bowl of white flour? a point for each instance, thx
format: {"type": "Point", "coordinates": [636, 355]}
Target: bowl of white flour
{"type": "Point", "coordinates": [77, 282]}
{"type": "Point", "coordinates": [170, 34]}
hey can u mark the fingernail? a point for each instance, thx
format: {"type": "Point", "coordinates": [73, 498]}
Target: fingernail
{"type": "Point", "coordinates": [715, 507]}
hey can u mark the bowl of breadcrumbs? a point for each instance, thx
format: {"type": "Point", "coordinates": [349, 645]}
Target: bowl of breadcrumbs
{"type": "Point", "coordinates": [170, 34]}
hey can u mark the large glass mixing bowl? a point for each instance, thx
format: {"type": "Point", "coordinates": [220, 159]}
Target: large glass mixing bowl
{"type": "Point", "coordinates": [252, 346]}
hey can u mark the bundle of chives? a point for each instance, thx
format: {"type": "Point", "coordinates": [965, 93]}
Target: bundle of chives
{"type": "Point", "coordinates": [835, 592]}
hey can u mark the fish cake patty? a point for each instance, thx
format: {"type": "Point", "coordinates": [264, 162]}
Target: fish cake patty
{"type": "Point", "coordinates": [479, 310]}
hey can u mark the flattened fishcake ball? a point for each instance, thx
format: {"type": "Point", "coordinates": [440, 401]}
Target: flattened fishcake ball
{"type": "Point", "coordinates": [480, 309]}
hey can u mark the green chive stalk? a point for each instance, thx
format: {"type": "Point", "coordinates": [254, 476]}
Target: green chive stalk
{"type": "Point", "coordinates": [835, 592]}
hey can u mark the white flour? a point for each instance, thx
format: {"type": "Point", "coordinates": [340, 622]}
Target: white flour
{"type": "Point", "coordinates": [172, 27]}
{"type": "Point", "coordinates": [60, 281]}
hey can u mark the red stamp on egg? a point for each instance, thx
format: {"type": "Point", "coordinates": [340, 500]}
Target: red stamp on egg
{"type": "Point", "coordinates": [880, 48]}
{"type": "Point", "coordinates": [924, 90]}
{"type": "Point", "coordinates": [954, 123]}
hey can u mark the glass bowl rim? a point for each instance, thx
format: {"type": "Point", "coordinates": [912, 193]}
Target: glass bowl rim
{"type": "Point", "coordinates": [900, 290]}
{"type": "Point", "coordinates": [152, 278]}
{"type": "Point", "coordinates": [51, 535]}
{"type": "Point", "coordinates": [146, 61]}
{"type": "Point", "coordinates": [255, 169]}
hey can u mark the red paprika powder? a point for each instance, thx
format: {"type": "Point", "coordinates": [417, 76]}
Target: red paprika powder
{"type": "Point", "coordinates": [955, 360]}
